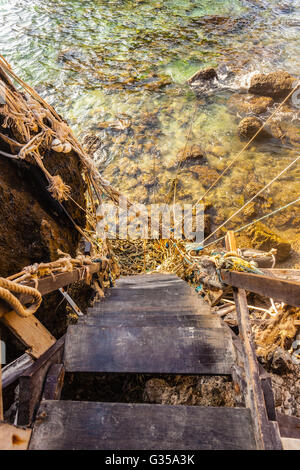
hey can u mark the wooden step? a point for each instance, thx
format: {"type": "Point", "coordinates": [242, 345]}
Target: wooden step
{"type": "Point", "coordinates": [67, 425]}
{"type": "Point", "coordinates": [152, 278]}
{"type": "Point", "coordinates": [150, 319]}
{"type": "Point", "coordinates": [168, 349]}
{"type": "Point", "coordinates": [147, 308]}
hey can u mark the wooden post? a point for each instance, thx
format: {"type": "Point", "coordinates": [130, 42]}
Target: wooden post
{"type": "Point", "coordinates": [230, 242]}
{"type": "Point", "coordinates": [267, 435]}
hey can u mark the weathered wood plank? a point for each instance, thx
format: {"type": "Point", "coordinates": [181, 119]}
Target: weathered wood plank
{"type": "Point", "coordinates": [54, 382]}
{"type": "Point", "coordinates": [266, 434]}
{"type": "Point", "coordinates": [30, 332]}
{"type": "Point", "coordinates": [140, 319]}
{"type": "Point", "coordinates": [290, 444]}
{"type": "Point", "coordinates": [289, 426]}
{"type": "Point", "coordinates": [31, 383]}
{"type": "Point", "coordinates": [119, 426]}
{"type": "Point", "coordinates": [292, 274]}
{"type": "Point", "coordinates": [148, 279]}
{"type": "Point", "coordinates": [13, 437]}
{"type": "Point", "coordinates": [278, 289]}
{"type": "Point", "coordinates": [49, 284]}
{"type": "Point", "coordinates": [128, 308]}
{"type": "Point", "coordinates": [12, 371]}
{"type": "Point", "coordinates": [173, 350]}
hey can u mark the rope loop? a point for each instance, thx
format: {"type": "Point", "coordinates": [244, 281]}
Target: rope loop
{"type": "Point", "coordinates": [9, 288]}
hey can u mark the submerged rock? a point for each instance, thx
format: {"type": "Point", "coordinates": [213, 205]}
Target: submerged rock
{"type": "Point", "coordinates": [191, 154]}
{"type": "Point", "coordinates": [249, 126]}
{"type": "Point", "coordinates": [246, 104]}
{"type": "Point", "coordinates": [293, 134]}
{"type": "Point", "coordinates": [265, 239]}
{"type": "Point", "coordinates": [275, 84]}
{"type": "Point", "coordinates": [206, 175]}
{"type": "Point", "coordinates": [204, 75]}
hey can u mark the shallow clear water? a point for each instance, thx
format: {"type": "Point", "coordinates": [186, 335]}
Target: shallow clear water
{"type": "Point", "coordinates": [127, 62]}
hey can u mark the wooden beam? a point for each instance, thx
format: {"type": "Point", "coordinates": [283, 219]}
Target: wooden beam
{"type": "Point", "coordinates": [12, 371]}
{"type": "Point", "coordinates": [54, 382]}
{"type": "Point", "coordinates": [230, 241]}
{"type": "Point", "coordinates": [49, 284]}
{"type": "Point", "coordinates": [31, 383]}
{"type": "Point", "coordinates": [278, 289]}
{"type": "Point", "coordinates": [13, 437]}
{"type": "Point", "coordinates": [291, 274]}
{"type": "Point", "coordinates": [30, 332]}
{"type": "Point", "coordinates": [289, 425]}
{"type": "Point", "coordinates": [266, 434]}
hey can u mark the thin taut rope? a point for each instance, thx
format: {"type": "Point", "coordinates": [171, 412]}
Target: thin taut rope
{"type": "Point", "coordinates": [248, 143]}
{"type": "Point", "coordinates": [255, 221]}
{"type": "Point", "coordinates": [250, 200]}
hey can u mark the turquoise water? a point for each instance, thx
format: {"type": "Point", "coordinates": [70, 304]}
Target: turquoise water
{"type": "Point", "coordinates": [117, 70]}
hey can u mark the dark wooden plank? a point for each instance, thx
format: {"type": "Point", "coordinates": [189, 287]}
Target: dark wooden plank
{"type": "Point", "coordinates": [117, 293]}
{"type": "Point", "coordinates": [292, 274]}
{"type": "Point", "coordinates": [289, 426]}
{"type": "Point", "coordinates": [173, 350]}
{"type": "Point", "coordinates": [12, 371]}
{"type": "Point", "coordinates": [278, 289]}
{"type": "Point", "coordinates": [148, 278]}
{"type": "Point", "coordinates": [118, 426]}
{"type": "Point", "coordinates": [32, 381]}
{"type": "Point", "coordinates": [266, 432]}
{"type": "Point", "coordinates": [200, 321]}
{"type": "Point", "coordinates": [54, 382]}
{"type": "Point", "coordinates": [146, 308]}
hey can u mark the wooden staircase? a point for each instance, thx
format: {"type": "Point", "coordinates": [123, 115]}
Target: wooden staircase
{"type": "Point", "coordinates": [150, 324]}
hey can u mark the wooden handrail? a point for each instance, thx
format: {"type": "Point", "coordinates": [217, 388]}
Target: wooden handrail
{"type": "Point", "coordinates": [30, 330]}
{"type": "Point", "coordinates": [283, 290]}
{"type": "Point", "coordinates": [49, 284]}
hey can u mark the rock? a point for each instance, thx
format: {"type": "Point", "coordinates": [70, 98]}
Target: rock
{"type": "Point", "coordinates": [264, 239]}
{"type": "Point", "coordinates": [219, 150]}
{"type": "Point", "coordinates": [206, 175]}
{"type": "Point", "coordinates": [293, 134]}
{"type": "Point", "coordinates": [190, 390]}
{"type": "Point", "coordinates": [154, 390]}
{"type": "Point", "coordinates": [249, 126]}
{"type": "Point", "coordinates": [281, 361]}
{"type": "Point", "coordinates": [205, 74]}
{"type": "Point", "coordinates": [191, 154]}
{"type": "Point", "coordinates": [246, 104]}
{"type": "Point", "coordinates": [275, 84]}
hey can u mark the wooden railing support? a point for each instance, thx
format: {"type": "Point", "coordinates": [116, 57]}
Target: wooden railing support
{"type": "Point", "coordinates": [266, 433]}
